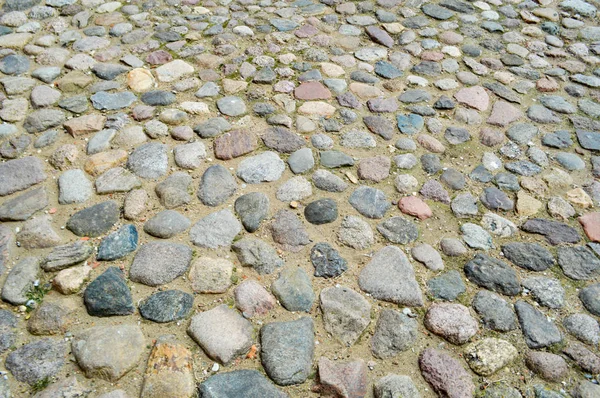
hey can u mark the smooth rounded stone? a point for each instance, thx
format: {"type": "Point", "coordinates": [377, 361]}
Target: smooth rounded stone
{"type": "Point", "coordinates": [252, 299]}
{"type": "Point", "coordinates": [265, 167]}
{"type": "Point", "coordinates": [108, 295]}
{"type": "Point", "coordinates": [452, 247]}
{"type": "Point", "coordinates": [212, 127]}
{"type": "Point", "coordinates": [252, 208]}
{"type": "Point", "coordinates": [189, 156]}
{"type": "Point", "coordinates": [36, 361]}
{"type": "Point", "coordinates": [327, 261]}
{"type": "Point", "coordinates": [24, 206]}
{"type": "Point", "coordinates": [287, 350]}
{"type": "Point", "coordinates": [209, 275]}
{"type": "Point", "coordinates": [447, 286]}
{"type": "Point", "coordinates": [570, 161]}
{"type": "Point", "coordinates": [546, 291]}
{"type": "Point", "coordinates": [158, 98]}
{"type": "Point", "coordinates": [157, 263]}
{"type": "Point", "coordinates": [38, 233]}
{"type": "Point", "coordinates": [498, 226]}
{"type": "Point", "coordinates": [583, 327]}
{"type": "Point", "coordinates": [389, 276]}
{"type": "Point", "coordinates": [231, 106]}
{"type": "Point", "coordinates": [585, 359]}
{"type": "Point", "coordinates": [108, 352]}
{"type": "Point", "coordinates": [578, 262]}
{"type": "Point", "coordinates": [19, 174]}
{"type": "Point", "coordinates": [451, 321]}
{"type": "Point", "coordinates": [453, 179]}
{"type": "Point", "coordinates": [538, 331]}
{"type": "Point", "coordinates": [135, 204]}
{"type": "Point", "coordinates": [346, 314]}
{"type": "Point", "coordinates": [20, 281]}
{"type": "Point", "coordinates": [217, 185]}
{"type": "Point", "coordinates": [342, 378]}
{"type": "Point", "coordinates": [296, 188]}
{"type": "Point", "coordinates": [257, 254]}
{"type": "Point", "coordinates": [64, 256]}
{"type": "Point", "coordinates": [321, 141]}
{"type": "Point", "coordinates": [322, 211]}
{"type": "Point", "coordinates": [406, 161]}
{"type": "Point", "coordinates": [174, 190]}
{"type": "Point", "coordinates": [327, 181]}
{"type": "Point", "coordinates": [74, 187]}
{"type": "Point", "coordinates": [218, 229]}
{"type": "Point", "coordinates": [489, 355]}
{"type": "Point", "coordinates": [14, 64]}
{"type": "Point", "coordinates": [112, 101]}
{"type": "Point", "coordinates": [393, 385]}
{"type": "Point", "coordinates": [301, 161]}
{"type": "Point", "coordinates": [445, 374]}
{"type": "Point", "coordinates": [398, 230]}
{"type": "Point", "coordinates": [590, 297]}
{"type": "Point", "coordinates": [464, 206]}
{"type": "Point", "coordinates": [222, 333]}
{"type": "Point", "coordinates": [370, 202]}
{"type": "Point", "coordinates": [43, 96]}
{"type": "Point", "coordinates": [529, 256]}
{"type": "Point", "coordinates": [282, 140]}
{"type": "Point", "coordinates": [495, 199]}
{"type": "Point", "coordinates": [358, 139]}
{"type": "Point", "coordinates": [293, 288]}
{"type": "Point", "coordinates": [149, 160]}
{"type": "Point", "coordinates": [548, 366]}
{"type": "Point", "coordinates": [335, 159]}
{"type": "Point", "coordinates": [167, 224]}
{"type": "Point", "coordinates": [476, 237]}
{"type": "Point", "coordinates": [94, 220]}
{"type": "Point", "coordinates": [118, 244]}
{"type": "Point", "coordinates": [395, 332]}
{"type": "Point", "coordinates": [492, 274]}
{"type": "Point", "coordinates": [244, 382]}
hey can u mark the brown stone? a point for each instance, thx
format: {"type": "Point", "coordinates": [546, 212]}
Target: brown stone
{"type": "Point", "coordinates": [431, 143]}
{"type": "Point", "coordinates": [414, 206]}
{"type": "Point", "coordinates": [432, 56]}
{"type": "Point", "coordinates": [84, 124]}
{"type": "Point", "coordinates": [253, 299]}
{"type": "Point", "coordinates": [445, 374]}
{"type": "Point", "coordinates": [548, 366]}
{"type": "Point", "coordinates": [591, 225]}
{"type": "Point", "coordinates": [140, 79]}
{"type": "Point", "coordinates": [375, 169]}
{"type": "Point", "coordinates": [312, 91]}
{"type": "Point", "coordinates": [234, 144]}
{"type": "Point", "coordinates": [504, 114]}
{"type": "Point", "coordinates": [169, 371]}
{"type": "Point", "coordinates": [547, 84]}
{"type": "Point", "coordinates": [74, 81]}
{"type": "Point", "coordinates": [474, 97]}
{"type": "Point", "coordinates": [491, 137]}
{"type": "Point", "coordinates": [100, 162]}
{"type": "Point", "coordinates": [342, 379]}
{"type": "Point", "coordinates": [584, 358]}
{"type": "Point", "coordinates": [109, 19]}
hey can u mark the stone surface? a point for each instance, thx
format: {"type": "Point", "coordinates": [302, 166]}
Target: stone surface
{"type": "Point", "coordinates": [38, 360]}
{"type": "Point", "coordinates": [451, 321]}
{"type": "Point", "coordinates": [108, 295]}
{"type": "Point", "coordinates": [157, 263]}
{"type": "Point", "coordinates": [346, 313]}
{"type": "Point", "coordinates": [445, 374]}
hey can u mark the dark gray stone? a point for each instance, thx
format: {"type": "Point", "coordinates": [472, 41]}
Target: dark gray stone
{"type": "Point", "coordinates": [167, 224]}
{"type": "Point", "coordinates": [492, 274]}
{"type": "Point", "coordinates": [590, 297]}
{"type": "Point", "coordinates": [36, 361]}
{"type": "Point", "coordinates": [495, 199]}
{"type": "Point", "coordinates": [538, 331]}
{"type": "Point", "coordinates": [239, 383]}
{"type": "Point", "coordinates": [530, 256]}
{"type": "Point", "coordinates": [579, 262]}
{"type": "Point", "coordinates": [322, 211]}
{"type": "Point", "coordinates": [327, 261]}
{"type": "Point", "coordinates": [252, 208]}
{"type": "Point", "coordinates": [282, 140]}
{"type": "Point", "coordinates": [447, 286]}
{"type": "Point", "coordinates": [370, 202]}
{"type": "Point", "coordinates": [94, 220]}
{"type": "Point", "coordinates": [495, 312]}
{"type": "Point", "coordinates": [118, 244]}
{"type": "Point", "coordinates": [554, 231]}
{"type": "Point", "coordinates": [108, 295]}
{"type": "Point", "coordinates": [167, 306]}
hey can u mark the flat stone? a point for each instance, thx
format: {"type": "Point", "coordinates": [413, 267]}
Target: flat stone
{"type": "Point", "coordinates": [67, 255]}
{"type": "Point", "coordinates": [293, 288]}
{"type": "Point", "coordinates": [548, 366]}
{"type": "Point", "coordinates": [84, 124]}
{"type": "Point", "coordinates": [257, 254]}
{"type": "Point", "coordinates": [445, 374]}
{"type": "Point", "coordinates": [167, 224]}
{"type": "Point", "coordinates": [583, 327]}
{"type": "Point", "coordinates": [252, 299]}
{"type": "Point", "coordinates": [287, 350]}
{"type": "Point", "coordinates": [369, 202]}
{"type": "Point", "coordinates": [174, 190]}
{"type": "Point", "coordinates": [389, 276]}
{"type": "Point", "coordinates": [36, 361]}
{"type": "Point", "coordinates": [538, 331]}
{"type": "Point", "coordinates": [157, 263]}
{"type": "Point", "coordinates": [245, 382]}
{"type": "Point", "coordinates": [395, 385]}
{"type": "Point", "coordinates": [265, 167]}
{"type": "Point", "coordinates": [529, 256]}
{"type": "Point", "coordinates": [115, 180]}
{"type": "Point", "coordinates": [218, 229]}
{"type": "Point", "coordinates": [211, 275]}
{"type": "Point", "coordinates": [495, 312]}
{"type": "Point", "coordinates": [108, 352]}
{"type": "Point", "coordinates": [149, 160]}
{"type": "Point", "coordinates": [24, 206]}
{"type": "Point", "coordinates": [578, 262]}
{"type": "Point", "coordinates": [38, 233]}
{"type": "Point", "coordinates": [346, 314]}
{"type": "Point", "coordinates": [342, 378]}
{"type": "Point", "coordinates": [222, 333]}
{"type": "Point", "coordinates": [20, 281]}
{"type": "Point", "coordinates": [395, 333]}
{"type": "Point", "coordinates": [451, 321]}
{"type": "Point", "coordinates": [492, 274]}
{"type": "Point", "coordinates": [94, 220]}
{"type": "Point", "coordinates": [489, 355]}
{"type": "Point", "coordinates": [234, 144]}
{"type": "Point", "coordinates": [554, 231]}
{"type": "Point", "coordinates": [19, 174]}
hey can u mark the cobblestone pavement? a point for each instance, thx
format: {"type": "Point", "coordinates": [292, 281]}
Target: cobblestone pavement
{"type": "Point", "coordinates": [250, 198]}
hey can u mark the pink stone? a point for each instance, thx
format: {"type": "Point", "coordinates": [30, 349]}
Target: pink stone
{"type": "Point", "coordinates": [504, 114]}
{"type": "Point", "coordinates": [414, 206]}
{"type": "Point", "coordinates": [432, 56]}
{"type": "Point", "coordinates": [474, 97]}
{"type": "Point", "coordinates": [159, 57]}
{"type": "Point", "coordinates": [591, 225]}
{"type": "Point", "coordinates": [374, 169]}
{"type": "Point", "coordinates": [342, 379]}
{"type": "Point", "coordinates": [312, 91]}
{"type": "Point", "coordinates": [306, 31]}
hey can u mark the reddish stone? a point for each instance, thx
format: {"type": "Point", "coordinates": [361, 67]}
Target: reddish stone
{"type": "Point", "coordinates": [474, 97]}
{"type": "Point", "coordinates": [432, 56]}
{"type": "Point", "coordinates": [374, 169]}
{"type": "Point", "coordinates": [547, 84]}
{"type": "Point", "coordinates": [143, 112]}
{"type": "Point", "coordinates": [445, 374]}
{"type": "Point", "coordinates": [591, 225]}
{"type": "Point", "coordinates": [235, 143]}
{"type": "Point", "coordinates": [491, 137]}
{"type": "Point", "coordinates": [504, 114]}
{"type": "Point", "coordinates": [306, 31]}
{"type": "Point", "coordinates": [414, 206]}
{"type": "Point", "coordinates": [159, 57]}
{"type": "Point", "coordinates": [548, 366]}
{"type": "Point", "coordinates": [109, 19]}
{"type": "Point", "coordinates": [312, 91]}
{"type": "Point", "coordinates": [84, 124]}
{"type": "Point", "coordinates": [342, 379]}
